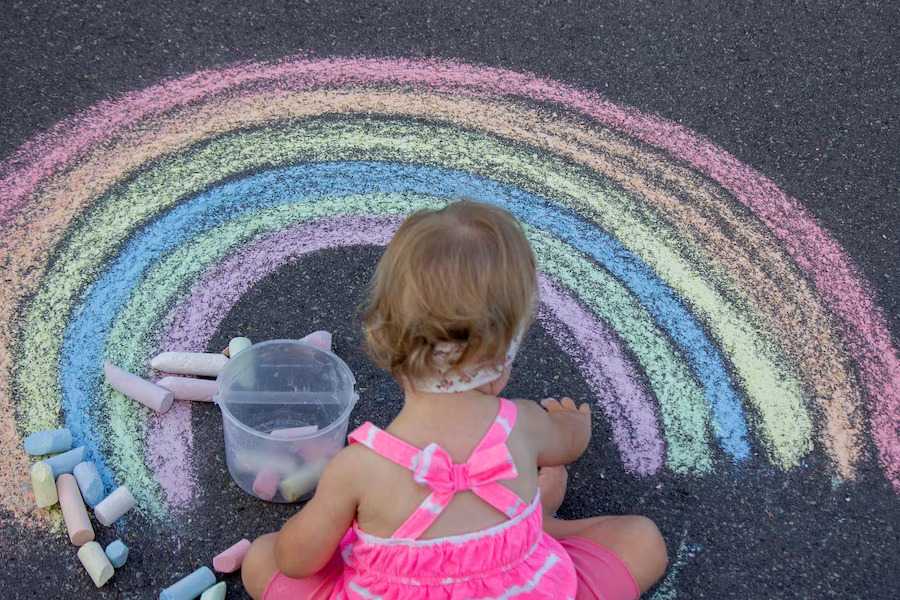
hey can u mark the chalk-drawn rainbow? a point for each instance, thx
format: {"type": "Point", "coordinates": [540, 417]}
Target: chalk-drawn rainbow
{"type": "Point", "coordinates": [704, 306]}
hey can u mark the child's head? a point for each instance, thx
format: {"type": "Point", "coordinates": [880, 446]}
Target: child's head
{"type": "Point", "coordinates": [454, 290]}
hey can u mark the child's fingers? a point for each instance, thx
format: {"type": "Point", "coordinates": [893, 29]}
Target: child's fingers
{"type": "Point", "coordinates": [568, 404]}
{"type": "Point", "coordinates": [585, 408]}
{"type": "Point", "coordinates": [550, 404]}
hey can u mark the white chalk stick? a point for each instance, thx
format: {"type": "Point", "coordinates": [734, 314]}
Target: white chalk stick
{"type": "Point", "coordinates": [49, 441]}
{"type": "Point", "coordinates": [89, 483]}
{"type": "Point", "coordinates": [303, 481]}
{"type": "Point", "coordinates": [252, 461]}
{"type": "Point", "coordinates": [74, 512]}
{"type": "Point", "coordinates": [230, 560]}
{"type": "Point", "coordinates": [293, 432]}
{"type": "Point", "coordinates": [266, 484]}
{"type": "Point", "coordinates": [147, 393]}
{"type": "Point", "coordinates": [114, 506]}
{"type": "Point", "coordinates": [44, 485]}
{"type": "Point", "coordinates": [117, 553]}
{"type": "Point", "coordinates": [237, 344]}
{"type": "Point", "coordinates": [65, 462]}
{"type": "Point", "coordinates": [319, 339]}
{"type": "Point", "coordinates": [204, 364]}
{"type": "Point", "coordinates": [216, 592]}
{"type": "Point", "coordinates": [96, 563]}
{"type": "Point", "coordinates": [190, 388]}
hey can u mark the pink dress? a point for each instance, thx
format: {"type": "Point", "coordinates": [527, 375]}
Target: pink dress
{"type": "Point", "coordinates": [515, 559]}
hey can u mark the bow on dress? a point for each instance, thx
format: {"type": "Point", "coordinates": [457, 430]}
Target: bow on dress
{"type": "Point", "coordinates": [435, 468]}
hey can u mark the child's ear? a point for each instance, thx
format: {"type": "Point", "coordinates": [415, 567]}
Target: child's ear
{"type": "Point", "coordinates": [495, 387]}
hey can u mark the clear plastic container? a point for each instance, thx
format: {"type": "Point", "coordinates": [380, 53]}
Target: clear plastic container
{"type": "Point", "coordinates": [285, 408]}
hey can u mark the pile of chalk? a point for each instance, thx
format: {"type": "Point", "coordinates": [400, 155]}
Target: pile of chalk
{"type": "Point", "coordinates": [67, 477]}
{"type": "Point", "coordinates": [186, 373]}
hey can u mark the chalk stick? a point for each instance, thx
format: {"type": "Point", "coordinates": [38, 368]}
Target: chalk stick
{"type": "Point", "coordinates": [319, 339]}
{"type": "Point", "coordinates": [114, 506]}
{"type": "Point", "coordinates": [147, 393]}
{"type": "Point", "coordinates": [189, 587]}
{"type": "Point", "coordinates": [117, 553]}
{"type": "Point", "coordinates": [49, 441]}
{"type": "Point", "coordinates": [204, 364]}
{"type": "Point", "coordinates": [237, 344]}
{"type": "Point", "coordinates": [74, 512]}
{"type": "Point", "coordinates": [190, 388]}
{"type": "Point", "coordinates": [266, 484]}
{"type": "Point", "coordinates": [230, 560]}
{"type": "Point", "coordinates": [303, 481]}
{"type": "Point", "coordinates": [65, 462]}
{"type": "Point", "coordinates": [96, 563]}
{"type": "Point", "coordinates": [216, 592]}
{"type": "Point", "coordinates": [253, 461]}
{"type": "Point", "coordinates": [293, 432]}
{"type": "Point", "coordinates": [44, 485]}
{"type": "Point", "coordinates": [89, 483]}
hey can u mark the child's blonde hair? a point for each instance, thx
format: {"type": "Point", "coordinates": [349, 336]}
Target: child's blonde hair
{"type": "Point", "coordinates": [464, 273]}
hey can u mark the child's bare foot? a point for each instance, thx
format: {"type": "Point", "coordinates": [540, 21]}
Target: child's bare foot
{"type": "Point", "coordinates": [552, 483]}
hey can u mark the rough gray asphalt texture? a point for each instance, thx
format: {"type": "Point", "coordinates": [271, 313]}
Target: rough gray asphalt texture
{"type": "Point", "coordinates": [806, 93]}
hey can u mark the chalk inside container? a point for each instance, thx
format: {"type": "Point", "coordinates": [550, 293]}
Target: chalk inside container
{"type": "Point", "coordinates": [289, 402]}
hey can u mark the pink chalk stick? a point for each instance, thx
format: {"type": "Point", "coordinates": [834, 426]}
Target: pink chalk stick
{"type": "Point", "coordinates": [293, 432]}
{"type": "Point", "coordinates": [74, 512]}
{"type": "Point", "coordinates": [190, 388]}
{"type": "Point", "coordinates": [266, 484]}
{"type": "Point", "coordinates": [319, 339]}
{"type": "Point", "coordinates": [230, 560]}
{"type": "Point", "coordinates": [149, 394]}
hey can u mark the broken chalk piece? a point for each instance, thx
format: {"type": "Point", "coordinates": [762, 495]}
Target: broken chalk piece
{"type": "Point", "coordinates": [216, 592]}
{"type": "Point", "coordinates": [237, 344]}
{"type": "Point", "coordinates": [149, 394]}
{"type": "Point", "coordinates": [319, 339]}
{"type": "Point", "coordinates": [189, 363]}
{"type": "Point", "coordinates": [302, 481]}
{"type": "Point", "coordinates": [96, 563]}
{"type": "Point", "coordinates": [189, 587]}
{"type": "Point", "coordinates": [114, 506]}
{"type": "Point", "coordinates": [189, 388]}
{"type": "Point", "coordinates": [49, 441]}
{"type": "Point", "coordinates": [89, 483]}
{"type": "Point", "coordinates": [266, 484]}
{"type": "Point", "coordinates": [65, 462]}
{"type": "Point", "coordinates": [74, 512]}
{"type": "Point", "coordinates": [117, 553]}
{"type": "Point", "coordinates": [293, 432]}
{"type": "Point", "coordinates": [43, 484]}
{"type": "Point", "coordinates": [230, 560]}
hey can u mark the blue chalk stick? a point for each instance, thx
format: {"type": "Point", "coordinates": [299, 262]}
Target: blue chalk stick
{"type": "Point", "coordinates": [117, 553]}
{"type": "Point", "coordinates": [48, 442]}
{"type": "Point", "coordinates": [189, 587]}
{"type": "Point", "coordinates": [89, 483]}
{"type": "Point", "coordinates": [65, 462]}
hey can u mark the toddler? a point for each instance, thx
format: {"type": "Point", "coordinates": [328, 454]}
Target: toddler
{"type": "Point", "coordinates": [457, 497]}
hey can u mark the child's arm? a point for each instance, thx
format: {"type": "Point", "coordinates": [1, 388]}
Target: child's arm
{"type": "Point", "coordinates": [561, 433]}
{"type": "Point", "coordinates": [309, 539]}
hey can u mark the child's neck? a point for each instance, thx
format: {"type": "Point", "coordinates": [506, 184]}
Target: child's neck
{"type": "Point", "coordinates": [419, 405]}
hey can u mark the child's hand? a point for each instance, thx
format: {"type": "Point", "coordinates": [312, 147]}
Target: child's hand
{"type": "Point", "coordinates": [568, 433]}
{"type": "Point", "coordinates": [566, 405]}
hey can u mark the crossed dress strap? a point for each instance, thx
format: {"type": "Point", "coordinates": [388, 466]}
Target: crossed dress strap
{"type": "Point", "coordinates": [432, 466]}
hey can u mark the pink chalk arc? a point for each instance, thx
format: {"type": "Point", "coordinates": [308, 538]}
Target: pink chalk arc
{"type": "Point", "coordinates": [46, 158]}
